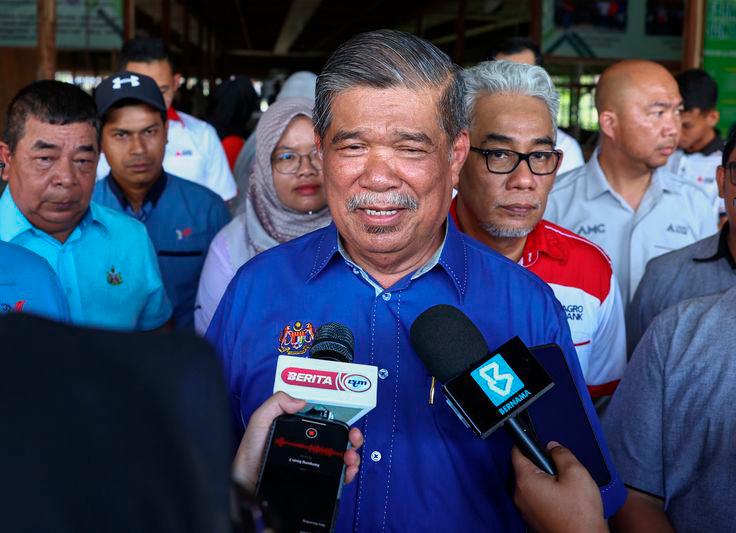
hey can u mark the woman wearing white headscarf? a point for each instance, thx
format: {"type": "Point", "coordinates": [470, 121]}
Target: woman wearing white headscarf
{"type": "Point", "coordinates": [285, 200]}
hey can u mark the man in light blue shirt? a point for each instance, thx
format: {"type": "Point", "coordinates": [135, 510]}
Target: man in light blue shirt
{"type": "Point", "coordinates": [28, 285]}
{"type": "Point", "coordinates": [104, 259]}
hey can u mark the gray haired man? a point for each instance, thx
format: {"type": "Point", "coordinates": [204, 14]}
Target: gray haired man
{"type": "Point", "coordinates": [391, 127]}
{"type": "Point", "coordinates": [502, 195]}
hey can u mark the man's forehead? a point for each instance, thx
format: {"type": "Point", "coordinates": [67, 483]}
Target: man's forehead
{"type": "Point", "coordinates": [392, 108]}
{"type": "Point", "coordinates": [133, 114]}
{"type": "Point", "coordinates": [518, 117]}
{"type": "Point", "coordinates": [65, 136]}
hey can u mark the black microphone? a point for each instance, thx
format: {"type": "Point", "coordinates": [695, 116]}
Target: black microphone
{"type": "Point", "coordinates": [333, 342]}
{"type": "Point", "coordinates": [484, 389]}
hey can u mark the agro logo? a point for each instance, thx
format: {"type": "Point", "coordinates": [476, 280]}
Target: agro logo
{"type": "Point", "coordinates": [355, 382]}
{"type": "Point", "coordinates": [325, 379]}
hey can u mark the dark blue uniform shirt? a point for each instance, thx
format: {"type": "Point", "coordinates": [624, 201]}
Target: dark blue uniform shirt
{"type": "Point", "coordinates": [421, 469]}
{"type": "Point", "coordinates": [182, 218]}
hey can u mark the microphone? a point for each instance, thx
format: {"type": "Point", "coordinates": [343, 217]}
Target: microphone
{"type": "Point", "coordinates": [333, 386]}
{"type": "Point", "coordinates": [484, 389]}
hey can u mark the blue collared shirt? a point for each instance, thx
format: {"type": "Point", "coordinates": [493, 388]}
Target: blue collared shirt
{"type": "Point", "coordinates": [421, 469]}
{"type": "Point", "coordinates": [107, 267]}
{"type": "Point", "coordinates": [182, 218]}
{"type": "Point", "coordinates": [28, 285]}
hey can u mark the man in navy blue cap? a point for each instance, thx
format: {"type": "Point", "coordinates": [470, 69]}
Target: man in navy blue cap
{"type": "Point", "coordinates": [182, 217]}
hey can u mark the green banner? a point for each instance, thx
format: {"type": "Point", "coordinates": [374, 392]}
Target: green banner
{"type": "Point", "coordinates": [80, 24]}
{"type": "Point", "coordinates": [719, 56]}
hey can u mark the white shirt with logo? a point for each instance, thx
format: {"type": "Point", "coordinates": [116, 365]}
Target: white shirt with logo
{"type": "Point", "coordinates": [193, 152]}
{"type": "Point", "coordinates": [700, 170]}
{"type": "Point", "coordinates": [672, 214]}
{"type": "Point", "coordinates": [573, 154]}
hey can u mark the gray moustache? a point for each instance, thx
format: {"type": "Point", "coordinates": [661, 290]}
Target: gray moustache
{"type": "Point", "coordinates": [390, 200]}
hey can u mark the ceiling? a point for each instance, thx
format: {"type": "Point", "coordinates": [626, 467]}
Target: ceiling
{"type": "Point", "coordinates": [259, 38]}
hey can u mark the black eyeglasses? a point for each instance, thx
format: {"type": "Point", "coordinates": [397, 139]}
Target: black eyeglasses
{"type": "Point", "coordinates": [501, 161]}
{"type": "Point", "coordinates": [729, 168]}
{"type": "Point", "coordinates": [2, 167]}
{"type": "Point", "coordinates": [289, 162]}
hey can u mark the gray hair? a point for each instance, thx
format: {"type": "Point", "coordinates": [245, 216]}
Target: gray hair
{"type": "Point", "coordinates": [385, 59]}
{"type": "Point", "coordinates": [506, 77]}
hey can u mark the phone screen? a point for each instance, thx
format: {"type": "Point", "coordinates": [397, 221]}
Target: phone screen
{"type": "Point", "coordinates": [302, 474]}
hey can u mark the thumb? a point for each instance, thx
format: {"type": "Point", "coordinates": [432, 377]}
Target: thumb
{"type": "Point", "coordinates": [522, 465]}
{"type": "Point", "coordinates": [275, 406]}
{"type": "Point", "coordinates": [563, 458]}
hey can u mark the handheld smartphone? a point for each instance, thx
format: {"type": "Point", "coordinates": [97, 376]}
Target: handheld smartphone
{"type": "Point", "coordinates": [302, 472]}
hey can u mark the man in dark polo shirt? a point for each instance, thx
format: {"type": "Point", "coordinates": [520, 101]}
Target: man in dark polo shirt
{"type": "Point", "coordinates": [181, 217]}
{"type": "Point", "coordinates": [705, 267]}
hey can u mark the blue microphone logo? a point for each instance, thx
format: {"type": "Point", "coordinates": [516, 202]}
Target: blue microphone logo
{"type": "Point", "coordinates": [497, 380]}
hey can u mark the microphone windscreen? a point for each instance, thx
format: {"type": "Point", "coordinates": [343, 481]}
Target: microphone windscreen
{"type": "Point", "coordinates": [333, 342]}
{"type": "Point", "coordinates": [447, 341]}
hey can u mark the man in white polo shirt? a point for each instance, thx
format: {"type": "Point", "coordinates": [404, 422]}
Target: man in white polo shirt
{"type": "Point", "coordinates": [621, 199]}
{"type": "Point", "coordinates": [193, 149]}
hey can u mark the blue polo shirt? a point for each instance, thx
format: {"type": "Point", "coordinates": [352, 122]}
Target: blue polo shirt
{"type": "Point", "coordinates": [107, 267]}
{"type": "Point", "coordinates": [28, 285]}
{"type": "Point", "coordinates": [182, 218]}
{"type": "Point", "coordinates": [422, 469]}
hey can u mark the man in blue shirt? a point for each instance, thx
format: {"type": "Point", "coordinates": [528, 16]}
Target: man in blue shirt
{"type": "Point", "coordinates": [182, 217]}
{"type": "Point", "coordinates": [104, 260]}
{"type": "Point", "coordinates": [28, 285]}
{"type": "Point", "coordinates": [392, 133]}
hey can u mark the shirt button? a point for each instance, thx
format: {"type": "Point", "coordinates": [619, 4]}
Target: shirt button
{"type": "Point", "coordinates": [375, 456]}
{"type": "Point", "coordinates": [356, 271]}
{"type": "Point", "coordinates": [383, 373]}
{"type": "Point", "coordinates": [386, 296]}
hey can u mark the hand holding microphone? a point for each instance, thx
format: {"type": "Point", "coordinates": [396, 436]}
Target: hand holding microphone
{"type": "Point", "coordinates": [567, 503]}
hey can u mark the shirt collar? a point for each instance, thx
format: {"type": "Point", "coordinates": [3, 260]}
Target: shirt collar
{"type": "Point", "coordinates": [722, 250]}
{"type": "Point", "coordinates": [714, 145]}
{"type": "Point", "coordinates": [15, 222]}
{"type": "Point", "coordinates": [597, 184]}
{"type": "Point", "coordinates": [152, 196]}
{"type": "Point", "coordinates": [171, 114]}
{"type": "Point", "coordinates": [451, 256]}
{"type": "Point", "coordinates": [539, 242]}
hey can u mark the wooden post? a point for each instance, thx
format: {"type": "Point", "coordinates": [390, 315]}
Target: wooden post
{"type": "Point", "coordinates": [460, 32]}
{"type": "Point", "coordinates": [166, 21]}
{"type": "Point", "coordinates": [692, 39]}
{"type": "Point", "coordinates": [46, 31]}
{"type": "Point", "coordinates": [128, 19]}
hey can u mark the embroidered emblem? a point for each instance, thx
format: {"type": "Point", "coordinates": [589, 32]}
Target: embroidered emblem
{"type": "Point", "coordinates": [183, 233]}
{"type": "Point", "coordinates": [15, 308]}
{"type": "Point", "coordinates": [296, 339]}
{"type": "Point", "coordinates": [180, 153]}
{"type": "Point", "coordinates": [113, 277]}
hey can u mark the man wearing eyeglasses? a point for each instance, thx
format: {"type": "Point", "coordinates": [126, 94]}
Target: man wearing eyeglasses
{"type": "Point", "coordinates": [622, 199]}
{"type": "Point", "coordinates": [703, 268]}
{"type": "Point", "coordinates": [502, 195]}
{"type": "Point", "coordinates": [181, 217]}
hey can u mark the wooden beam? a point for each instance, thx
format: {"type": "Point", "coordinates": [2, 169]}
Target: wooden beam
{"type": "Point", "coordinates": [692, 39]}
{"type": "Point", "coordinates": [46, 31]}
{"type": "Point", "coordinates": [128, 19]}
{"type": "Point", "coordinates": [166, 21]}
{"type": "Point", "coordinates": [300, 13]}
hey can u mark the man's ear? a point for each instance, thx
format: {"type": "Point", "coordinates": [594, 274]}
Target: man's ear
{"type": "Point", "coordinates": [712, 117]}
{"type": "Point", "coordinates": [608, 122]}
{"type": "Point", "coordinates": [5, 158]}
{"type": "Point", "coordinates": [721, 180]}
{"type": "Point", "coordinates": [458, 155]}
{"type": "Point", "coordinates": [177, 82]}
